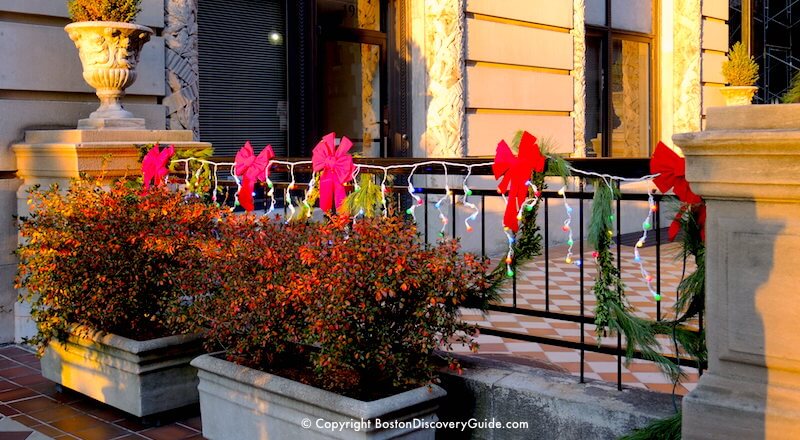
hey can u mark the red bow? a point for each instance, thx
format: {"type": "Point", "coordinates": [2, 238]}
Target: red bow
{"type": "Point", "coordinates": [516, 172]}
{"type": "Point", "coordinates": [251, 168]}
{"type": "Point", "coordinates": [154, 165]}
{"type": "Point", "coordinates": [697, 210]}
{"type": "Point", "coordinates": [672, 170]}
{"type": "Point", "coordinates": [672, 175]}
{"type": "Point", "coordinates": [337, 169]}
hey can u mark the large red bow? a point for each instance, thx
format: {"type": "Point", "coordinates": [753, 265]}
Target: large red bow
{"type": "Point", "coordinates": [154, 165]}
{"type": "Point", "coordinates": [337, 169]}
{"type": "Point", "coordinates": [672, 174]}
{"type": "Point", "coordinates": [516, 172]}
{"type": "Point", "coordinates": [251, 168]}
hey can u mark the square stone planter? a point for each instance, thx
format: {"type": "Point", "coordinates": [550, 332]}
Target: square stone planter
{"type": "Point", "coordinates": [241, 403]}
{"type": "Point", "coordinates": [138, 377]}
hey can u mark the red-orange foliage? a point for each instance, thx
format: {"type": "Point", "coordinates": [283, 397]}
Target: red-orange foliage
{"type": "Point", "coordinates": [116, 260]}
{"type": "Point", "coordinates": [367, 304]}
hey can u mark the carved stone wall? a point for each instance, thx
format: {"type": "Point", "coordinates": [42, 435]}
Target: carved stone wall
{"type": "Point", "coordinates": [579, 76]}
{"type": "Point", "coordinates": [368, 11]}
{"type": "Point", "coordinates": [180, 36]}
{"type": "Point", "coordinates": [686, 106]}
{"type": "Point", "coordinates": [444, 53]}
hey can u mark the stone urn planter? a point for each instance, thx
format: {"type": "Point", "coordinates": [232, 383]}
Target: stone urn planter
{"type": "Point", "coordinates": [738, 95]}
{"type": "Point", "coordinates": [109, 53]}
{"type": "Point", "coordinates": [237, 402]}
{"type": "Point", "coordinates": [138, 377]}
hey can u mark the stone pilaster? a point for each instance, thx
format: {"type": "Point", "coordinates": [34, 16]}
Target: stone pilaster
{"type": "Point", "coordinates": [747, 167]}
{"type": "Point", "coordinates": [579, 76]}
{"type": "Point", "coordinates": [180, 35]}
{"type": "Point", "coordinates": [444, 52]}
{"type": "Point", "coordinates": [686, 105]}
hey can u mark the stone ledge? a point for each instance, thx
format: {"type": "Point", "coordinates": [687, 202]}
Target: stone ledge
{"type": "Point", "coordinates": [554, 404]}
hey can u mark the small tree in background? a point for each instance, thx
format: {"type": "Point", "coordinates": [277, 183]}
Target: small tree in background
{"type": "Point", "coordinates": [740, 69]}
{"type": "Point", "coordinates": [792, 95]}
{"type": "Point", "coordinates": [104, 10]}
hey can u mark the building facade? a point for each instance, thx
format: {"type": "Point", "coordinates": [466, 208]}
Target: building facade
{"type": "Point", "coordinates": [423, 78]}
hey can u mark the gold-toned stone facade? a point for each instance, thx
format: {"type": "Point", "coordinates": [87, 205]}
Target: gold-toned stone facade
{"type": "Point", "coordinates": [686, 105]}
{"type": "Point", "coordinates": [579, 76]}
{"type": "Point", "coordinates": [444, 53]}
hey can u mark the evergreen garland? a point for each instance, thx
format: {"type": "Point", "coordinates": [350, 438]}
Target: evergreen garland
{"type": "Point", "coordinates": [612, 311]}
{"type": "Point", "coordinates": [666, 429]}
{"type": "Point", "coordinates": [528, 244]}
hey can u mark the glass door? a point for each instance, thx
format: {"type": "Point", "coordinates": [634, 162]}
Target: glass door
{"type": "Point", "coordinates": [352, 73]}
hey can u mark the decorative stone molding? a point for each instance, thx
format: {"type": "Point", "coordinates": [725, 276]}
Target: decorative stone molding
{"type": "Point", "coordinates": [686, 104]}
{"type": "Point", "coordinates": [368, 19]}
{"type": "Point", "coordinates": [445, 59]}
{"type": "Point", "coordinates": [579, 76]}
{"type": "Point", "coordinates": [180, 36]}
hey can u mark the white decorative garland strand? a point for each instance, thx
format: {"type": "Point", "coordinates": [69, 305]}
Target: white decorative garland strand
{"type": "Point", "coordinates": [647, 225]}
{"type": "Point", "coordinates": [567, 226]}
{"type": "Point", "coordinates": [466, 202]}
{"type": "Point", "coordinates": [447, 195]}
{"type": "Point", "coordinates": [528, 204]}
{"type": "Point", "coordinates": [412, 192]}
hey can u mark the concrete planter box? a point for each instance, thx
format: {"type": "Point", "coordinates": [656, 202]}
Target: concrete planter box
{"type": "Point", "coordinates": [138, 377]}
{"type": "Point", "coordinates": [241, 403]}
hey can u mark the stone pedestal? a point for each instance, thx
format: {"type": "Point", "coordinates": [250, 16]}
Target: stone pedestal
{"type": "Point", "coordinates": [56, 156]}
{"type": "Point", "coordinates": [747, 167]}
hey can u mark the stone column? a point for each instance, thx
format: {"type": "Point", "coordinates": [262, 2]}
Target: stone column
{"type": "Point", "coordinates": [747, 167]}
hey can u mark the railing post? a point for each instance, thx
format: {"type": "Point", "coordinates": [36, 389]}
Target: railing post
{"type": "Point", "coordinates": [747, 167]}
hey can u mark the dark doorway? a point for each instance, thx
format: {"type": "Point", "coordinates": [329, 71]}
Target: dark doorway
{"type": "Point", "coordinates": [348, 74]}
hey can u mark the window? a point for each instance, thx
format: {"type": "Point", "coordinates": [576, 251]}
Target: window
{"type": "Point", "coordinates": [242, 66]}
{"type": "Point", "coordinates": [619, 82]}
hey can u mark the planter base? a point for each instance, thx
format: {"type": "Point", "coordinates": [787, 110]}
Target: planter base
{"type": "Point", "coordinates": [240, 403]}
{"type": "Point", "coordinates": [112, 124]}
{"type": "Point", "coordinates": [140, 378]}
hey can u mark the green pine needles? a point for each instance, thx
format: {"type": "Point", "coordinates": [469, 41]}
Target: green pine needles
{"type": "Point", "coordinates": [667, 429]}
{"type": "Point", "coordinates": [740, 69]}
{"type": "Point", "coordinates": [792, 95]}
{"type": "Point", "coordinates": [366, 200]}
{"type": "Point", "coordinates": [614, 315]}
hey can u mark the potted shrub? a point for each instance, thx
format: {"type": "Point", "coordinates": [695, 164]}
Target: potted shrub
{"type": "Point", "coordinates": [109, 274]}
{"type": "Point", "coordinates": [741, 73]}
{"type": "Point", "coordinates": [109, 45]}
{"type": "Point", "coordinates": [330, 323]}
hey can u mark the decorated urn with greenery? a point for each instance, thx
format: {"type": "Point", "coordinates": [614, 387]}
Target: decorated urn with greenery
{"type": "Point", "coordinates": [109, 45]}
{"type": "Point", "coordinates": [741, 73]}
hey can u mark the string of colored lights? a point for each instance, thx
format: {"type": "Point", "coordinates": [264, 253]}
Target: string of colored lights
{"type": "Point", "coordinates": [647, 225]}
{"type": "Point", "coordinates": [466, 202]}
{"type": "Point", "coordinates": [528, 204]}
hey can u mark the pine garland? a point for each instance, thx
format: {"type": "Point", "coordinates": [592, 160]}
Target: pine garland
{"type": "Point", "coordinates": [366, 201]}
{"type": "Point", "coordinates": [528, 244]}
{"type": "Point", "coordinates": [612, 311]}
{"type": "Point", "coordinates": [667, 429]}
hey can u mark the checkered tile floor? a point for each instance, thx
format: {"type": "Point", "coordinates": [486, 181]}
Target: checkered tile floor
{"type": "Point", "coordinates": [564, 296]}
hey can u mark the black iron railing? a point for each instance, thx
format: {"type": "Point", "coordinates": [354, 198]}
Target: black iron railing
{"type": "Point", "coordinates": [627, 168]}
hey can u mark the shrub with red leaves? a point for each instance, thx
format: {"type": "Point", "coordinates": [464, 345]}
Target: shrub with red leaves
{"type": "Point", "coordinates": [116, 260]}
{"type": "Point", "coordinates": [366, 304]}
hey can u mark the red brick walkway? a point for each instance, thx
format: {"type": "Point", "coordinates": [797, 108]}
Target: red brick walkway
{"type": "Point", "coordinates": [31, 400]}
